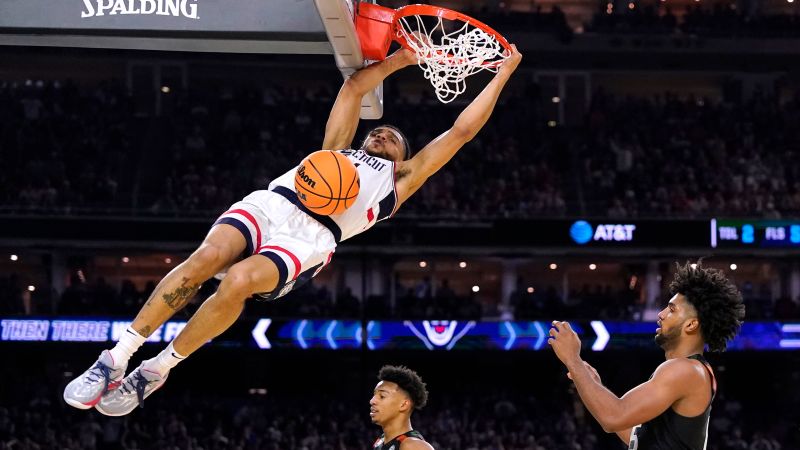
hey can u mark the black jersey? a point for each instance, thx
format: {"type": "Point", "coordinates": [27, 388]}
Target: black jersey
{"type": "Point", "coordinates": [672, 431]}
{"type": "Point", "coordinates": [394, 444]}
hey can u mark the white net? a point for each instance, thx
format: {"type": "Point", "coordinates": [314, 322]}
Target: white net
{"type": "Point", "coordinates": [448, 58]}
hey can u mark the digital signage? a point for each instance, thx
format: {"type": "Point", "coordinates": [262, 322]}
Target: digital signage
{"type": "Point", "coordinates": [376, 335]}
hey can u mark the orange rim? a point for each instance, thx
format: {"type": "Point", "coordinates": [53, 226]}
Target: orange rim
{"type": "Point", "coordinates": [449, 14]}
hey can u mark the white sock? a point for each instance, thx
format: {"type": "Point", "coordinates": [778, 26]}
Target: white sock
{"type": "Point", "coordinates": [164, 361]}
{"type": "Point", "coordinates": [129, 342]}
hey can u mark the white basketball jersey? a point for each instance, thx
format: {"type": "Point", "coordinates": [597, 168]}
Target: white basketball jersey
{"type": "Point", "coordinates": [376, 199]}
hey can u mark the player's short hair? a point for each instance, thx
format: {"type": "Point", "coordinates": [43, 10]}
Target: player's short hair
{"type": "Point", "coordinates": [718, 302]}
{"type": "Point", "coordinates": [407, 380]}
{"type": "Point", "coordinates": [406, 144]}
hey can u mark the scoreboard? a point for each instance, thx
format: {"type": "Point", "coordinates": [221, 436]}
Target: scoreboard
{"type": "Point", "coordinates": [755, 233]}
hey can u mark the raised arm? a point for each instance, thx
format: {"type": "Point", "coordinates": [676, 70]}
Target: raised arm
{"type": "Point", "coordinates": [412, 174]}
{"type": "Point", "coordinates": [625, 434]}
{"type": "Point", "coordinates": [343, 121]}
{"type": "Point", "coordinates": [672, 381]}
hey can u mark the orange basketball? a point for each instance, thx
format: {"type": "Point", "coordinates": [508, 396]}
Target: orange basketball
{"type": "Point", "coordinates": [327, 182]}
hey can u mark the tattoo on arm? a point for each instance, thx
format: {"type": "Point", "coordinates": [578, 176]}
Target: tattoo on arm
{"type": "Point", "coordinates": [144, 331]}
{"type": "Point", "coordinates": [178, 298]}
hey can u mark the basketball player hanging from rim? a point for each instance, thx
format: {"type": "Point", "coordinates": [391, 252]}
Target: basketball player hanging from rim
{"type": "Point", "coordinates": [269, 243]}
{"type": "Point", "coordinates": [399, 392]}
{"type": "Point", "coordinates": [671, 410]}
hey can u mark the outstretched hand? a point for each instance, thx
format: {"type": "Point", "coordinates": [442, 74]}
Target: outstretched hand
{"type": "Point", "coordinates": [565, 342]}
{"type": "Point", "coordinates": [510, 64]}
{"type": "Point", "coordinates": [405, 56]}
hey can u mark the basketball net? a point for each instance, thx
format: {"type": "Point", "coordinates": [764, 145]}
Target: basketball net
{"type": "Point", "coordinates": [456, 55]}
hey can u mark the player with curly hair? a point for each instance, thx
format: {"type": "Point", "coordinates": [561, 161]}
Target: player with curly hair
{"type": "Point", "coordinates": [672, 409]}
{"type": "Point", "coordinates": [399, 392]}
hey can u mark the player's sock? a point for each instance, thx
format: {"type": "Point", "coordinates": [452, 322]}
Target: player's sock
{"type": "Point", "coordinates": [164, 361]}
{"type": "Point", "coordinates": [129, 342]}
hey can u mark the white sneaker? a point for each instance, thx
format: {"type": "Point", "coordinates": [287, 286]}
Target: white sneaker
{"type": "Point", "coordinates": [136, 387]}
{"type": "Point", "coordinates": [88, 388]}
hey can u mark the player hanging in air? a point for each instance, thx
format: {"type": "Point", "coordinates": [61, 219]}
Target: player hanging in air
{"type": "Point", "coordinates": [399, 392]}
{"type": "Point", "coordinates": [671, 410]}
{"type": "Point", "coordinates": [269, 243]}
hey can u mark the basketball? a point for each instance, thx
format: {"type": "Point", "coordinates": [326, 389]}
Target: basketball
{"type": "Point", "coordinates": [327, 182]}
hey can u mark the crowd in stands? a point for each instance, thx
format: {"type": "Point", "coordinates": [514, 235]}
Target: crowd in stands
{"type": "Point", "coordinates": [65, 148]}
{"type": "Point", "coordinates": [634, 157]}
{"type": "Point", "coordinates": [646, 17]}
{"type": "Point", "coordinates": [544, 415]}
{"type": "Point", "coordinates": [413, 301]}
{"type": "Point", "coordinates": [668, 157]}
{"type": "Point", "coordinates": [722, 20]}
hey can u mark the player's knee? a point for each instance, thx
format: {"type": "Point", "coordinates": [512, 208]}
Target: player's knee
{"type": "Point", "coordinates": [240, 282]}
{"type": "Point", "coordinates": [207, 258]}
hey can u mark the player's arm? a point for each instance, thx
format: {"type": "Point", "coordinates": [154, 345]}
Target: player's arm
{"type": "Point", "coordinates": [625, 435]}
{"type": "Point", "coordinates": [415, 444]}
{"type": "Point", "coordinates": [670, 383]}
{"type": "Point", "coordinates": [412, 174]}
{"type": "Point", "coordinates": [343, 121]}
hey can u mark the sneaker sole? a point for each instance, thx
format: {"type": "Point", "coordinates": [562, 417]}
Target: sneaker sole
{"type": "Point", "coordinates": [106, 413]}
{"type": "Point", "coordinates": [81, 405]}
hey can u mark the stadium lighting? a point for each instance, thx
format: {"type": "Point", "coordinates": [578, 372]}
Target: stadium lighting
{"type": "Point", "coordinates": [734, 267]}
{"type": "Point", "coordinates": [423, 264]}
{"type": "Point", "coordinates": [126, 260]}
{"type": "Point", "coordinates": [553, 266]}
{"type": "Point", "coordinates": [476, 288]}
{"type": "Point", "coordinates": [531, 289]}
{"type": "Point", "coordinates": [168, 260]}
{"type": "Point", "coordinates": [462, 264]}
{"type": "Point", "coordinates": [14, 257]}
{"type": "Point", "coordinates": [592, 266]}
{"type": "Point", "coordinates": [31, 288]}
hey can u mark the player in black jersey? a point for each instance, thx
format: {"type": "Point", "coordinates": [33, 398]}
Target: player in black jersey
{"type": "Point", "coordinates": [671, 410]}
{"type": "Point", "coordinates": [399, 392]}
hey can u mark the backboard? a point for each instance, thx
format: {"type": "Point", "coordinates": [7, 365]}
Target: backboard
{"type": "Point", "coordinates": [338, 20]}
{"type": "Point", "coordinates": [244, 26]}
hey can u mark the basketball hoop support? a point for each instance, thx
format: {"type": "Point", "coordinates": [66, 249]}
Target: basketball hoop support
{"type": "Point", "coordinates": [338, 19]}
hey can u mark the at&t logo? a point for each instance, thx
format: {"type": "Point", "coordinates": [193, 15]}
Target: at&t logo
{"type": "Point", "coordinates": [582, 232]}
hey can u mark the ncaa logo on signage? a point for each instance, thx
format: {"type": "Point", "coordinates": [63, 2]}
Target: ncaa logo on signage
{"type": "Point", "coordinates": [440, 333]}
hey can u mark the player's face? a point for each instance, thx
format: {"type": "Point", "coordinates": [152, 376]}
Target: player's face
{"type": "Point", "coordinates": [384, 143]}
{"type": "Point", "coordinates": [672, 319]}
{"type": "Point", "coordinates": [387, 401]}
